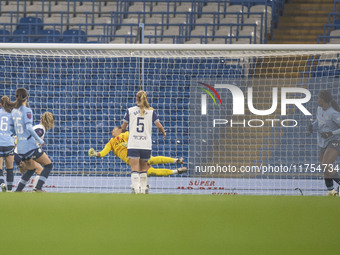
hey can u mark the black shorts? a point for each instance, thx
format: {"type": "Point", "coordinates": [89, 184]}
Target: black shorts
{"type": "Point", "coordinates": [139, 154]}
{"type": "Point", "coordinates": [6, 151]}
{"type": "Point", "coordinates": [33, 154]}
{"type": "Point", "coordinates": [332, 144]}
{"type": "Point", "coordinates": [17, 159]}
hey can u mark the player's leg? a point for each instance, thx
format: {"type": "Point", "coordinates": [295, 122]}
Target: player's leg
{"type": "Point", "coordinates": [38, 171]}
{"type": "Point", "coordinates": [335, 146]}
{"type": "Point", "coordinates": [2, 178]}
{"type": "Point", "coordinates": [20, 164]}
{"type": "Point", "coordinates": [46, 162]}
{"type": "Point", "coordinates": [143, 175]}
{"type": "Point", "coordinates": [165, 172]}
{"type": "Point", "coordinates": [328, 158]}
{"type": "Point", "coordinates": [135, 178]}
{"type": "Point", "coordinates": [9, 160]}
{"type": "Point", "coordinates": [165, 160]}
{"type": "Point", "coordinates": [29, 164]}
{"type": "Point", "coordinates": [145, 156]}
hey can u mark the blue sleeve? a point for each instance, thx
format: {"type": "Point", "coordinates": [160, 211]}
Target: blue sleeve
{"type": "Point", "coordinates": [29, 127]}
{"type": "Point", "coordinates": [154, 117]}
{"type": "Point", "coordinates": [127, 117]}
{"type": "Point", "coordinates": [28, 116]}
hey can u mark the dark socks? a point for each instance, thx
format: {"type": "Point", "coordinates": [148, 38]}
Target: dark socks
{"type": "Point", "coordinates": [24, 179]}
{"type": "Point", "coordinates": [9, 178]}
{"type": "Point", "coordinates": [43, 176]}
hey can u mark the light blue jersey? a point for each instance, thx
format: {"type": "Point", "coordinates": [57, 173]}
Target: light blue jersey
{"type": "Point", "coordinates": [21, 118]}
{"type": "Point", "coordinates": [327, 121]}
{"type": "Point", "coordinates": [6, 129]}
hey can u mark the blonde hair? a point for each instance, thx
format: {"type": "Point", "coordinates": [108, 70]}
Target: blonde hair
{"type": "Point", "coordinates": [142, 101]}
{"type": "Point", "coordinates": [6, 104]}
{"type": "Point", "coordinates": [47, 120]}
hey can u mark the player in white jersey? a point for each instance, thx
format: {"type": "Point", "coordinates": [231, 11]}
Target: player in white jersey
{"type": "Point", "coordinates": [327, 125]}
{"type": "Point", "coordinates": [28, 150]}
{"type": "Point", "coordinates": [46, 123]}
{"type": "Point", "coordinates": [6, 143]}
{"type": "Point", "coordinates": [140, 119]}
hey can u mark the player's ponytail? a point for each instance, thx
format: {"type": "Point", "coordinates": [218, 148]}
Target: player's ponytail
{"type": "Point", "coordinates": [6, 104]}
{"type": "Point", "coordinates": [142, 101]}
{"type": "Point", "coordinates": [326, 96]}
{"type": "Point", "coordinates": [47, 120]}
{"type": "Point", "coordinates": [21, 96]}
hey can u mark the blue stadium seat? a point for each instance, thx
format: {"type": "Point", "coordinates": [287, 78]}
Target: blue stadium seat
{"type": "Point", "coordinates": [5, 36]}
{"type": "Point", "coordinates": [23, 36]}
{"type": "Point", "coordinates": [32, 24]}
{"type": "Point", "coordinates": [49, 36]}
{"type": "Point", "coordinates": [74, 36]}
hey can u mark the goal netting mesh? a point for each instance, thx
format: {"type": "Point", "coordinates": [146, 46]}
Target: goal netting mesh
{"type": "Point", "coordinates": [199, 92]}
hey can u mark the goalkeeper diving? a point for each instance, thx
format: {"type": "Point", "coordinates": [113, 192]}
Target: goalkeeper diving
{"type": "Point", "coordinates": [118, 145]}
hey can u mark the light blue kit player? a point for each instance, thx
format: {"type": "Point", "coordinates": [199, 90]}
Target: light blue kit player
{"type": "Point", "coordinates": [27, 148]}
{"type": "Point", "coordinates": [6, 143]}
{"type": "Point", "coordinates": [327, 125]}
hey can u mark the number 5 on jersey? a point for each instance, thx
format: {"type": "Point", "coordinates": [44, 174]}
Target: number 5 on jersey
{"type": "Point", "coordinates": [18, 126]}
{"type": "Point", "coordinates": [140, 124]}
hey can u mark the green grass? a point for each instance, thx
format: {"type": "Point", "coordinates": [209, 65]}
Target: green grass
{"type": "Point", "coordinates": [52, 223]}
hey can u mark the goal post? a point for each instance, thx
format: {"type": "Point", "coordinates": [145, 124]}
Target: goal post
{"type": "Point", "coordinates": [237, 114]}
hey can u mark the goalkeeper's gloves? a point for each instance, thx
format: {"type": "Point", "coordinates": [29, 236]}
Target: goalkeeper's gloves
{"type": "Point", "coordinates": [326, 135]}
{"type": "Point", "coordinates": [310, 128]}
{"type": "Point", "coordinates": [92, 153]}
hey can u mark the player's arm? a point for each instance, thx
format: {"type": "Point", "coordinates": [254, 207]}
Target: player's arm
{"type": "Point", "coordinates": [124, 125]}
{"type": "Point", "coordinates": [313, 126]}
{"type": "Point", "coordinates": [30, 129]}
{"type": "Point", "coordinates": [126, 120]}
{"type": "Point", "coordinates": [160, 128]}
{"type": "Point", "coordinates": [158, 124]}
{"type": "Point", "coordinates": [103, 153]}
{"type": "Point", "coordinates": [336, 119]}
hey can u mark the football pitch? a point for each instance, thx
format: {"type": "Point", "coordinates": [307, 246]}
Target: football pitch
{"type": "Point", "coordinates": [60, 223]}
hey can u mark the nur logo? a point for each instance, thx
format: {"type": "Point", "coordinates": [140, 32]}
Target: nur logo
{"type": "Point", "coordinates": [204, 97]}
{"type": "Point", "coordinates": [239, 101]}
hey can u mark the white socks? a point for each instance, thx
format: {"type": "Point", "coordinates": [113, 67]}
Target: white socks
{"type": "Point", "coordinates": [135, 182]}
{"type": "Point", "coordinates": [143, 178]}
{"type": "Point", "coordinates": [138, 182]}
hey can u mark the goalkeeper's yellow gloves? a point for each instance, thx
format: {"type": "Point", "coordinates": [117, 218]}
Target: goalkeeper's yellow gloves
{"type": "Point", "coordinates": [92, 152]}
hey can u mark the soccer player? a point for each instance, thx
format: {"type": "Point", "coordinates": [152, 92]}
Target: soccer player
{"type": "Point", "coordinates": [117, 145]}
{"type": "Point", "coordinates": [140, 119]}
{"type": "Point", "coordinates": [6, 143]}
{"type": "Point", "coordinates": [28, 150]}
{"type": "Point", "coordinates": [46, 123]}
{"type": "Point", "coordinates": [328, 126]}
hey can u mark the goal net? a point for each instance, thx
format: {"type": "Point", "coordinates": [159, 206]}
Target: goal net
{"type": "Point", "coordinates": [237, 114]}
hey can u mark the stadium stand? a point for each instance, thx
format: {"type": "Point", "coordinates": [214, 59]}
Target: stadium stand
{"type": "Point", "coordinates": [251, 21]}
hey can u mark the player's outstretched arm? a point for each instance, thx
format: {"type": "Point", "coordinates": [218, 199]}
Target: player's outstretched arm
{"type": "Point", "coordinates": [103, 153]}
